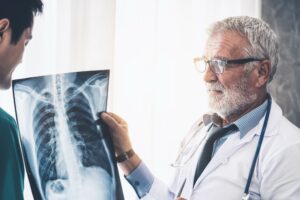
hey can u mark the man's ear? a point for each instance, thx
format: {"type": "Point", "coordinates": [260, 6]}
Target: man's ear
{"type": "Point", "coordinates": [263, 73]}
{"type": "Point", "coordinates": [4, 26]}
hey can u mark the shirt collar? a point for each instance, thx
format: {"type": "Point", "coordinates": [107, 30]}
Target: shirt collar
{"type": "Point", "coordinates": [251, 119]}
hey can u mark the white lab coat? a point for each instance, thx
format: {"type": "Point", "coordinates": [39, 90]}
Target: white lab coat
{"type": "Point", "coordinates": [276, 176]}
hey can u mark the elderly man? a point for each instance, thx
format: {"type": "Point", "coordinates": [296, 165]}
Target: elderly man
{"type": "Point", "coordinates": [247, 148]}
{"type": "Point", "coordinates": [16, 22]}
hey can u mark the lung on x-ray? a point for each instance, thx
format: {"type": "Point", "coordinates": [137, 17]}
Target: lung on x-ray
{"type": "Point", "coordinates": [68, 156]}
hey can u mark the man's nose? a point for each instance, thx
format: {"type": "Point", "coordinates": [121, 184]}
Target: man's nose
{"type": "Point", "coordinates": [209, 75]}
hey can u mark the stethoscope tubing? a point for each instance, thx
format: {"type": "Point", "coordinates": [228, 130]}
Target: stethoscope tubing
{"type": "Point", "coordinates": [259, 144]}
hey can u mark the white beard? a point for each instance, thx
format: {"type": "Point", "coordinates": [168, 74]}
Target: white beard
{"type": "Point", "coordinates": [233, 100]}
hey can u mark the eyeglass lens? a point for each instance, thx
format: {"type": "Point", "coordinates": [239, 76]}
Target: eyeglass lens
{"type": "Point", "coordinates": [217, 66]}
{"type": "Point", "coordinates": [214, 65]}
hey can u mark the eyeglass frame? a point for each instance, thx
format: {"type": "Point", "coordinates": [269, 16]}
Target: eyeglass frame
{"type": "Point", "coordinates": [224, 62]}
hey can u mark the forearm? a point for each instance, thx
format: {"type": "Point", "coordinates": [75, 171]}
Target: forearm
{"type": "Point", "coordinates": [146, 185]}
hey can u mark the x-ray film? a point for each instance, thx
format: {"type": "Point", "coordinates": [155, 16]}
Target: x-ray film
{"type": "Point", "coordinates": [67, 155]}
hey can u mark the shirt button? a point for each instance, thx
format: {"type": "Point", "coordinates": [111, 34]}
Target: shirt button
{"type": "Point", "coordinates": [136, 183]}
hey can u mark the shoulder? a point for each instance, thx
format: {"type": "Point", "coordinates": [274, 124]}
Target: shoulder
{"type": "Point", "coordinates": [279, 125]}
{"type": "Point", "coordinates": [287, 126]}
{"type": "Point", "coordinates": [288, 136]}
{"type": "Point", "coordinates": [6, 118]}
{"type": "Point", "coordinates": [283, 144]}
{"type": "Point", "coordinates": [287, 133]}
{"type": "Point", "coordinates": [7, 124]}
{"type": "Point", "coordinates": [281, 137]}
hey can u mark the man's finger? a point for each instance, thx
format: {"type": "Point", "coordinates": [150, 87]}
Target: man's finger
{"type": "Point", "coordinates": [117, 118]}
{"type": "Point", "coordinates": [110, 121]}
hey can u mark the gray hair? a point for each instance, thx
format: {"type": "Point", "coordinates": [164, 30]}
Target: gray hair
{"type": "Point", "coordinates": [263, 40]}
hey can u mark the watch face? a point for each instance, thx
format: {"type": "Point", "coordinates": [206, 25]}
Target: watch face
{"type": "Point", "coordinates": [67, 154]}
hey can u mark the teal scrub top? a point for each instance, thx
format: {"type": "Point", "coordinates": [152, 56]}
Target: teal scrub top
{"type": "Point", "coordinates": [11, 163]}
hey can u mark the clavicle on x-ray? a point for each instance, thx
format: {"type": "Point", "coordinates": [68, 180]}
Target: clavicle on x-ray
{"type": "Point", "coordinates": [67, 155]}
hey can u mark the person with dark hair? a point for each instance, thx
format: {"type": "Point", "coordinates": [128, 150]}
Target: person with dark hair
{"type": "Point", "coordinates": [16, 23]}
{"type": "Point", "coordinates": [245, 149]}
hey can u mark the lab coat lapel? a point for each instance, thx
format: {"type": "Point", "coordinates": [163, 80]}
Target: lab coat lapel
{"type": "Point", "coordinates": [191, 168]}
{"type": "Point", "coordinates": [233, 143]}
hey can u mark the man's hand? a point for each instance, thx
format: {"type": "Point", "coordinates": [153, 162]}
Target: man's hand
{"type": "Point", "coordinates": [119, 133]}
{"type": "Point", "coordinates": [180, 198]}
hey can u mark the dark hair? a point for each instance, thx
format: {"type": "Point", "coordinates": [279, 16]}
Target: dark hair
{"type": "Point", "coordinates": [20, 14]}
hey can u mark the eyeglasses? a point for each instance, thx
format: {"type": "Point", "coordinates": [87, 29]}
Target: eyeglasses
{"type": "Point", "coordinates": [218, 65]}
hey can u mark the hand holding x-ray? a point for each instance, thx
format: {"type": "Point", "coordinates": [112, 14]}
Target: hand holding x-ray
{"type": "Point", "coordinates": [119, 132]}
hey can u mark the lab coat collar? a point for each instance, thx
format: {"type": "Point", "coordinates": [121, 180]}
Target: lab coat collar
{"type": "Point", "coordinates": [234, 142]}
{"type": "Point", "coordinates": [274, 118]}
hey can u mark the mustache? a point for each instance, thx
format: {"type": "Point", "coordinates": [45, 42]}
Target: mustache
{"type": "Point", "coordinates": [214, 86]}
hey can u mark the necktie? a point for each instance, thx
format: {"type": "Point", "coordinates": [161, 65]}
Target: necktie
{"type": "Point", "coordinates": [208, 148]}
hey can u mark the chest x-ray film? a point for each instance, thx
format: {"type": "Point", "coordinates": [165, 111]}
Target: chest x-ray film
{"type": "Point", "coordinates": [67, 155]}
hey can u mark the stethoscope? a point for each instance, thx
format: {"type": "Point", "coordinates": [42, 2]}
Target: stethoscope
{"type": "Point", "coordinates": [246, 195]}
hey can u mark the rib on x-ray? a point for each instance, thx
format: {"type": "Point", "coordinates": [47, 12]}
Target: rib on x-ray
{"type": "Point", "coordinates": [67, 155]}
